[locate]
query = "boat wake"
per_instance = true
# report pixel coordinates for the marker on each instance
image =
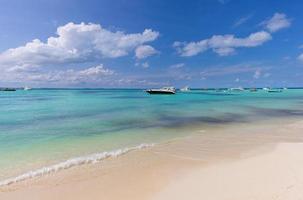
(89, 159)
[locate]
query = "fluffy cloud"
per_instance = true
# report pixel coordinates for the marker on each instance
(225, 45)
(70, 76)
(93, 72)
(277, 22)
(145, 65)
(144, 51)
(192, 48)
(76, 43)
(177, 66)
(224, 51)
(222, 44)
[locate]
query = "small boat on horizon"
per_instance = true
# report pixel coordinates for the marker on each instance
(237, 89)
(8, 89)
(164, 90)
(274, 90)
(185, 89)
(27, 88)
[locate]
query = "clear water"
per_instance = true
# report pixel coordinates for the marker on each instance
(42, 127)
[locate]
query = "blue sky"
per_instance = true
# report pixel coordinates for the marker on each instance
(140, 43)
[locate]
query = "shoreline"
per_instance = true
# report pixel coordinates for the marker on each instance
(152, 170)
(70, 163)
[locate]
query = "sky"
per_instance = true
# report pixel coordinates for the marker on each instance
(145, 44)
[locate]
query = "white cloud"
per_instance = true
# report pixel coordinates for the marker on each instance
(88, 75)
(69, 77)
(257, 74)
(229, 41)
(137, 82)
(222, 44)
(144, 51)
(145, 65)
(95, 72)
(178, 65)
(75, 43)
(242, 20)
(276, 22)
(224, 51)
(192, 48)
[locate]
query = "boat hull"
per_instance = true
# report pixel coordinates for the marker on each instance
(159, 92)
(8, 89)
(274, 91)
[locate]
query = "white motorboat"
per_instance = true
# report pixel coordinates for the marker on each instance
(27, 88)
(274, 90)
(185, 89)
(237, 89)
(164, 90)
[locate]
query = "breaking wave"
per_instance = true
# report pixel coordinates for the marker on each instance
(89, 159)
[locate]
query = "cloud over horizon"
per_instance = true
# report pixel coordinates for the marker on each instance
(77, 43)
(65, 77)
(223, 45)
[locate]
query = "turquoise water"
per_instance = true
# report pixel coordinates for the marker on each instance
(42, 127)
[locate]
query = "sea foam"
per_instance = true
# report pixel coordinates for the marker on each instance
(89, 159)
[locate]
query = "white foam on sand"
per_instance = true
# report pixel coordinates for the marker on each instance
(89, 159)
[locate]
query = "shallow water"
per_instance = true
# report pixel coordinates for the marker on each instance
(42, 127)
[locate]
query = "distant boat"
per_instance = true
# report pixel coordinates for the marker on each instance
(27, 88)
(8, 89)
(237, 89)
(185, 89)
(253, 90)
(285, 88)
(266, 88)
(164, 90)
(274, 90)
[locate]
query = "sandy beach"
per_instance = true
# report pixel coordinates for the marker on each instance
(241, 161)
(274, 175)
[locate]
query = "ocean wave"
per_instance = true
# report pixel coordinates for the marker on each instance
(89, 159)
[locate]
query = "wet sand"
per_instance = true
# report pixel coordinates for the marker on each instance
(237, 161)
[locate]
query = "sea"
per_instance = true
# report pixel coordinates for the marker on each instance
(43, 131)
